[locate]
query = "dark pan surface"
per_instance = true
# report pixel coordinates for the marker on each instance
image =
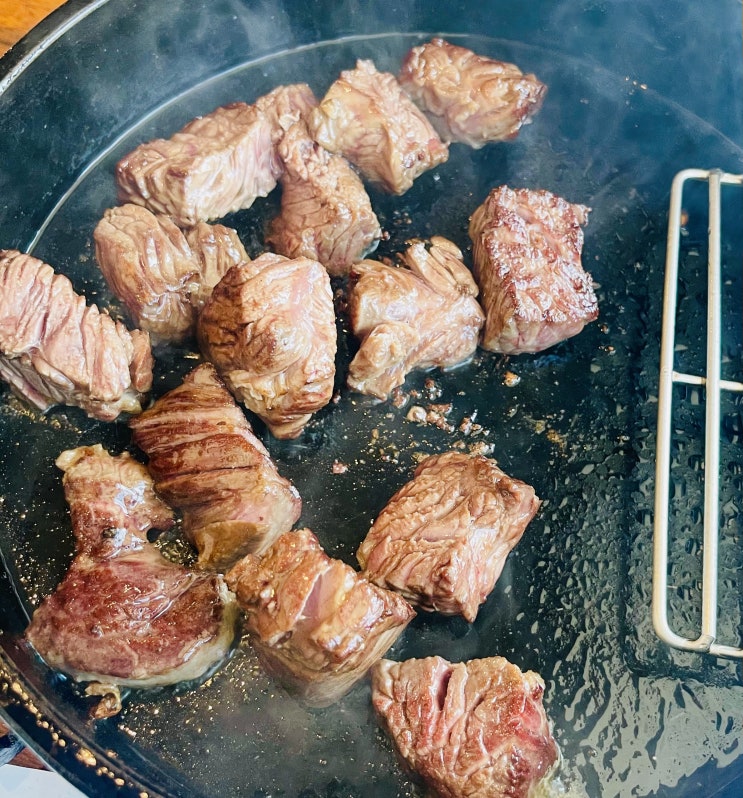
(631, 716)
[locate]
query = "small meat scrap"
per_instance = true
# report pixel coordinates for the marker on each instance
(124, 615)
(55, 349)
(476, 729)
(326, 214)
(315, 623)
(473, 99)
(422, 315)
(215, 165)
(443, 539)
(527, 256)
(368, 118)
(217, 249)
(207, 462)
(269, 328)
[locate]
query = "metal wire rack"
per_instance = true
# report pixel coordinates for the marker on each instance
(714, 386)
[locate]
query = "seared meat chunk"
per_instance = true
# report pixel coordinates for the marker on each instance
(473, 99)
(207, 462)
(161, 275)
(474, 729)
(368, 118)
(217, 249)
(124, 615)
(314, 622)
(269, 328)
(326, 214)
(56, 350)
(421, 316)
(442, 540)
(285, 106)
(216, 164)
(526, 247)
(148, 264)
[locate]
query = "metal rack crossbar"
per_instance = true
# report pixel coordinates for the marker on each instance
(713, 385)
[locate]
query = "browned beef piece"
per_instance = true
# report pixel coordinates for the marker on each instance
(207, 462)
(326, 214)
(443, 539)
(368, 118)
(56, 350)
(526, 247)
(314, 622)
(472, 99)
(217, 249)
(149, 265)
(124, 615)
(269, 328)
(420, 316)
(285, 106)
(474, 729)
(161, 275)
(216, 164)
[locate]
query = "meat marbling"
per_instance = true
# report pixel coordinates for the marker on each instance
(526, 248)
(422, 315)
(269, 328)
(315, 623)
(442, 540)
(367, 117)
(207, 462)
(124, 615)
(55, 349)
(474, 729)
(472, 99)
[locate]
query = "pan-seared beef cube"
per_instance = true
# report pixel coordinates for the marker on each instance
(442, 540)
(314, 622)
(326, 214)
(217, 249)
(474, 729)
(471, 98)
(207, 462)
(161, 275)
(421, 316)
(285, 106)
(368, 118)
(124, 615)
(269, 328)
(526, 247)
(55, 349)
(216, 164)
(149, 265)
